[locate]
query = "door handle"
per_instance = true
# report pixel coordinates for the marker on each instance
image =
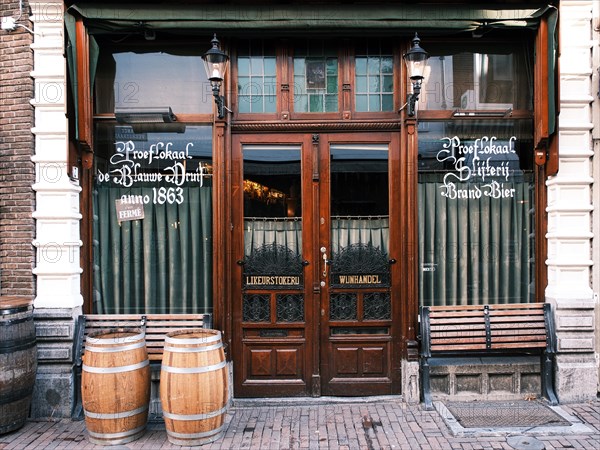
(325, 262)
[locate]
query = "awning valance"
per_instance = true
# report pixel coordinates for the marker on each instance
(290, 19)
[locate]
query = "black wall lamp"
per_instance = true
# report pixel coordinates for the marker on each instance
(215, 63)
(416, 61)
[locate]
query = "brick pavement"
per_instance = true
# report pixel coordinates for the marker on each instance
(384, 423)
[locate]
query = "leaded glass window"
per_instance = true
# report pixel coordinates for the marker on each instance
(315, 78)
(257, 78)
(377, 306)
(343, 306)
(374, 79)
(290, 308)
(256, 308)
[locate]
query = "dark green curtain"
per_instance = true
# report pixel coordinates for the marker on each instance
(475, 251)
(159, 264)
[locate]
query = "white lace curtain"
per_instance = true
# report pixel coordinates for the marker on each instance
(345, 231)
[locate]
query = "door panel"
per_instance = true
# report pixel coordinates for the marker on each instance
(357, 326)
(313, 305)
(270, 306)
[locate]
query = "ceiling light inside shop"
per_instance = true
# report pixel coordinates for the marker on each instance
(145, 115)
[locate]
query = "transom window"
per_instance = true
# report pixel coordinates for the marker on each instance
(257, 84)
(314, 75)
(374, 78)
(315, 78)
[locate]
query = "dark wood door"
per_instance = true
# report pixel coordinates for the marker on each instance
(358, 334)
(313, 305)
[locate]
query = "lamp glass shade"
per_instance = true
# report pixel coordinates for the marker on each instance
(416, 67)
(416, 60)
(215, 62)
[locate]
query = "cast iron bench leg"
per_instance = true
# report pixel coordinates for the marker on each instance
(547, 367)
(426, 384)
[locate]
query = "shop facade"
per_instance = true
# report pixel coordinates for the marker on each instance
(315, 212)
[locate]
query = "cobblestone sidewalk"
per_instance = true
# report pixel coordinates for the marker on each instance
(386, 423)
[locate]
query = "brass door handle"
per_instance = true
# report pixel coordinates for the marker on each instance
(325, 262)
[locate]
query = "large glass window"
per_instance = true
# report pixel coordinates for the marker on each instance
(476, 212)
(152, 226)
(478, 77)
(152, 192)
(138, 76)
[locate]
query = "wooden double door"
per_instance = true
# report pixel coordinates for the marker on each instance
(315, 230)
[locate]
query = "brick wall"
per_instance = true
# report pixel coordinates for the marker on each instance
(17, 175)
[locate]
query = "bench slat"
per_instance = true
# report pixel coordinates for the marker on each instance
(457, 334)
(436, 321)
(477, 313)
(459, 347)
(519, 338)
(509, 306)
(519, 345)
(495, 319)
(450, 341)
(524, 331)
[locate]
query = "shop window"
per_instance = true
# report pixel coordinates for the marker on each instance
(476, 212)
(257, 87)
(152, 185)
(315, 78)
(152, 227)
(478, 77)
(138, 76)
(374, 78)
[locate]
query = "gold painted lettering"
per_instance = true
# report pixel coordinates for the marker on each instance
(359, 279)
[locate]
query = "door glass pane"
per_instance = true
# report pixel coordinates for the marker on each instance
(272, 218)
(359, 216)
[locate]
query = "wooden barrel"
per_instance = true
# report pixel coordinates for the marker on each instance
(18, 361)
(194, 386)
(115, 386)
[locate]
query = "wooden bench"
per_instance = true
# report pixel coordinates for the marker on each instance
(155, 327)
(487, 330)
